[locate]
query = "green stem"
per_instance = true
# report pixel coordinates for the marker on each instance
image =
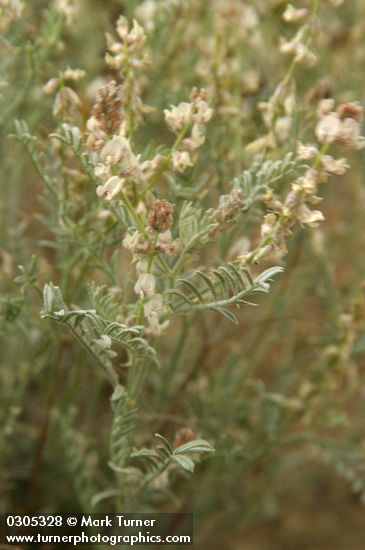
(129, 87)
(40, 172)
(168, 159)
(136, 377)
(294, 63)
(174, 271)
(112, 377)
(129, 206)
(322, 152)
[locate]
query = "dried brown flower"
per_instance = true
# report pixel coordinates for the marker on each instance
(229, 208)
(350, 110)
(160, 217)
(107, 110)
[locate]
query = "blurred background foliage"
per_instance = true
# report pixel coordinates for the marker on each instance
(276, 478)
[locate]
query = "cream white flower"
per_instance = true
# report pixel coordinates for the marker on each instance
(283, 127)
(136, 38)
(294, 15)
(309, 217)
(181, 161)
(203, 113)
(298, 47)
(142, 266)
(131, 241)
(152, 310)
(129, 164)
(145, 285)
(153, 307)
(165, 237)
(150, 167)
(325, 107)
(102, 172)
(111, 188)
(114, 150)
(74, 74)
(303, 54)
(67, 102)
(178, 117)
(51, 86)
(196, 139)
(348, 134)
(268, 224)
(122, 27)
(302, 184)
(342, 126)
(334, 166)
(327, 128)
(290, 47)
(307, 152)
(96, 134)
(92, 124)
(117, 151)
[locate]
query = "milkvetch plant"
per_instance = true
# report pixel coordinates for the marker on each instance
(177, 192)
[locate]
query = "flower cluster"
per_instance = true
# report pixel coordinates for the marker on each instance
(130, 48)
(157, 238)
(127, 56)
(298, 47)
(119, 108)
(116, 164)
(106, 117)
(278, 111)
(341, 126)
(138, 234)
(325, 164)
(297, 207)
(73, 75)
(151, 301)
(149, 242)
(180, 119)
(67, 104)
